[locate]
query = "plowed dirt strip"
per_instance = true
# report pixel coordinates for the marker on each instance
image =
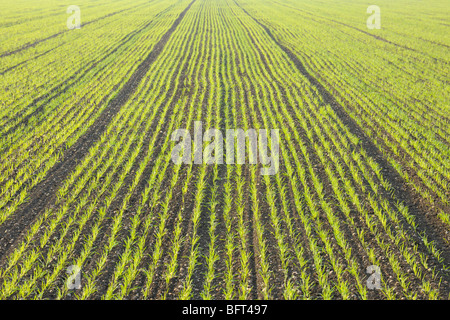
(33, 149)
(60, 121)
(407, 195)
(269, 51)
(410, 132)
(58, 90)
(177, 99)
(43, 192)
(138, 225)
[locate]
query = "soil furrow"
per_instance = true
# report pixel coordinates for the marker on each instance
(402, 190)
(44, 192)
(76, 77)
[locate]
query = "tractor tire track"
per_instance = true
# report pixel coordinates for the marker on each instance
(44, 192)
(402, 190)
(75, 78)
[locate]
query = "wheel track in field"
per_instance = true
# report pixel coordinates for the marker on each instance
(93, 64)
(374, 35)
(418, 200)
(65, 85)
(173, 96)
(402, 191)
(321, 171)
(73, 80)
(11, 230)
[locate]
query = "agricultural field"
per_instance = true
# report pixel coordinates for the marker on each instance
(354, 123)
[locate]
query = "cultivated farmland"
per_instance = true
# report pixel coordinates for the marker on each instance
(357, 208)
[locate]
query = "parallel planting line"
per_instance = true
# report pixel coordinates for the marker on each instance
(395, 179)
(77, 77)
(33, 44)
(41, 192)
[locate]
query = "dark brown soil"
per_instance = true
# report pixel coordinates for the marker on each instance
(43, 195)
(45, 192)
(431, 225)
